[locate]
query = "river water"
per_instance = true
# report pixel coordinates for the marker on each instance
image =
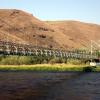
(23, 85)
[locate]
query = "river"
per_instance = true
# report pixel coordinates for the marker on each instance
(25, 85)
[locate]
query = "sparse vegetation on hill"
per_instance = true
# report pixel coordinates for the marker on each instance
(21, 27)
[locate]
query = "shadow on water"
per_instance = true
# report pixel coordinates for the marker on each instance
(45, 85)
(89, 69)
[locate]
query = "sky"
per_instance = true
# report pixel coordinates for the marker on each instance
(81, 10)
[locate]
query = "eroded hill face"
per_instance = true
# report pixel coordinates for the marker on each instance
(21, 27)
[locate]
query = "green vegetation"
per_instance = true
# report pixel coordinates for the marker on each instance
(20, 60)
(97, 53)
(89, 69)
(30, 60)
(43, 67)
(49, 67)
(97, 69)
(75, 61)
(43, 63)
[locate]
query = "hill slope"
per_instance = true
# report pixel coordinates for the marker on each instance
(21, 27)
(78, 32)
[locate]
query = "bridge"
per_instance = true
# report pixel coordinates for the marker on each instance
(11, 48)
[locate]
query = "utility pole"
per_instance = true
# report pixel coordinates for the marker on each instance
(36, 43)
(7, 47)
(94, 45)
(91, 49)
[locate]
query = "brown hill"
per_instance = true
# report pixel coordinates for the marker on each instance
(78, 32)
(21, 27)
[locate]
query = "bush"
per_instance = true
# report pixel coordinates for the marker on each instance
(9, 60)
(74, 61)
(57, 60)
(16, 60)
(40, 59)
(25, 60)
(52, 61)
(88, 69)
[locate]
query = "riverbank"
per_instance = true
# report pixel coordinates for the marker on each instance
(44, 67)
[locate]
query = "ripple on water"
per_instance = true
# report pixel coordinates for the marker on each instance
(49, 86)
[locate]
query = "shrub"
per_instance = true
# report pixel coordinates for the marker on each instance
(24, 60)
(57, 60)
(10, 60)
(36, 59)
(74, 61)
(16, 60)
(88, 69)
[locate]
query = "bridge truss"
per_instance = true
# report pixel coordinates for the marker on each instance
(10, 48)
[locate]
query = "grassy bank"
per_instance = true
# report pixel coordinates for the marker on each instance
(43, 67)
(97, 69)
(43, 63)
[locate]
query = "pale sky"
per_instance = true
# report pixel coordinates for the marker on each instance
(82, 10)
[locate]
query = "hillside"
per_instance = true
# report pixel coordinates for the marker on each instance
(78, 32)
(21, 27)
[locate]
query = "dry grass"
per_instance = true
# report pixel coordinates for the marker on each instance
(63, 35)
